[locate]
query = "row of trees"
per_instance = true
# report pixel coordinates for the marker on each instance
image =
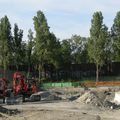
(11, 46)
(101, 47)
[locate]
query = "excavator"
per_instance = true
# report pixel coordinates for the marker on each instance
(21, 87)
(25, 87)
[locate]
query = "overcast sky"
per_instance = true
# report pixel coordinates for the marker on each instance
(65, 17)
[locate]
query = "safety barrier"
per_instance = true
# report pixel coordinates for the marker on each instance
(81, 83)
(102, 83)
(61, 84)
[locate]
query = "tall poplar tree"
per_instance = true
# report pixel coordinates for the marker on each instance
(18, 47)
(5, 42)
(29, 51)
(97, 41)
(115, 33)
(41, 39)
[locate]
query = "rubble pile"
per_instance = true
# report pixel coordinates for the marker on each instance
(92, 98)
(8, 111)
(111, 105)
(53, 97)
(49, 96)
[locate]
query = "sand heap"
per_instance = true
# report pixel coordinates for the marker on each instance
(90, 97)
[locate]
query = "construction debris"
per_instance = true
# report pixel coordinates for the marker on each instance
(8, 111)
(91, 104)
(47, 95)
(92, 98)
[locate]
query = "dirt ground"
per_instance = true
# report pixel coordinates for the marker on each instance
(65, 109)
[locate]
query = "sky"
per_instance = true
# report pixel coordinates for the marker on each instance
(65, 17)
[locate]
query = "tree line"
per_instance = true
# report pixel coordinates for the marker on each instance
(43, 47)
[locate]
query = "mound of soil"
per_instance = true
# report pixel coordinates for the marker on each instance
(93, 98)
(90, 97)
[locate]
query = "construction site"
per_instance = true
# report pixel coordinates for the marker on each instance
(63, 103)
(59, 60)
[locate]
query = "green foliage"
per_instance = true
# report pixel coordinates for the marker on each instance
(79, 49)
(46, 45)
(115, 33)
(44, 48)
(5, 42)
(97, 41)
(41, 40)
(42, 33)
(66, 52)
(54, 53)
(30, 45)
(18, 47)
(29, 50)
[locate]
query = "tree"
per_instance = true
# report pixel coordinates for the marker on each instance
(66, 51)
(115, 35)
(54, 58)
(41, 40)
(29, 49)
(54, 47)
(18, 47)
(5, 42)
(97, 41)
(79, 50)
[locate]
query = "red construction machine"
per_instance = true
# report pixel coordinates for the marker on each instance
(25, 87)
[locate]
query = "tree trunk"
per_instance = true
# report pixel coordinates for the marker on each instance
(28, 73)
(29, 67)
(97, 72)
(57, 75)
(4, 73)
(39, 69)
(4, 69)
(51, 74)
(17, 68)
(45, 71)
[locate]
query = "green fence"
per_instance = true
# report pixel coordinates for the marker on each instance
(79, 83)
(61, 84)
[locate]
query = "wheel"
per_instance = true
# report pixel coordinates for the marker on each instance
(23, 98)
(4, 100)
